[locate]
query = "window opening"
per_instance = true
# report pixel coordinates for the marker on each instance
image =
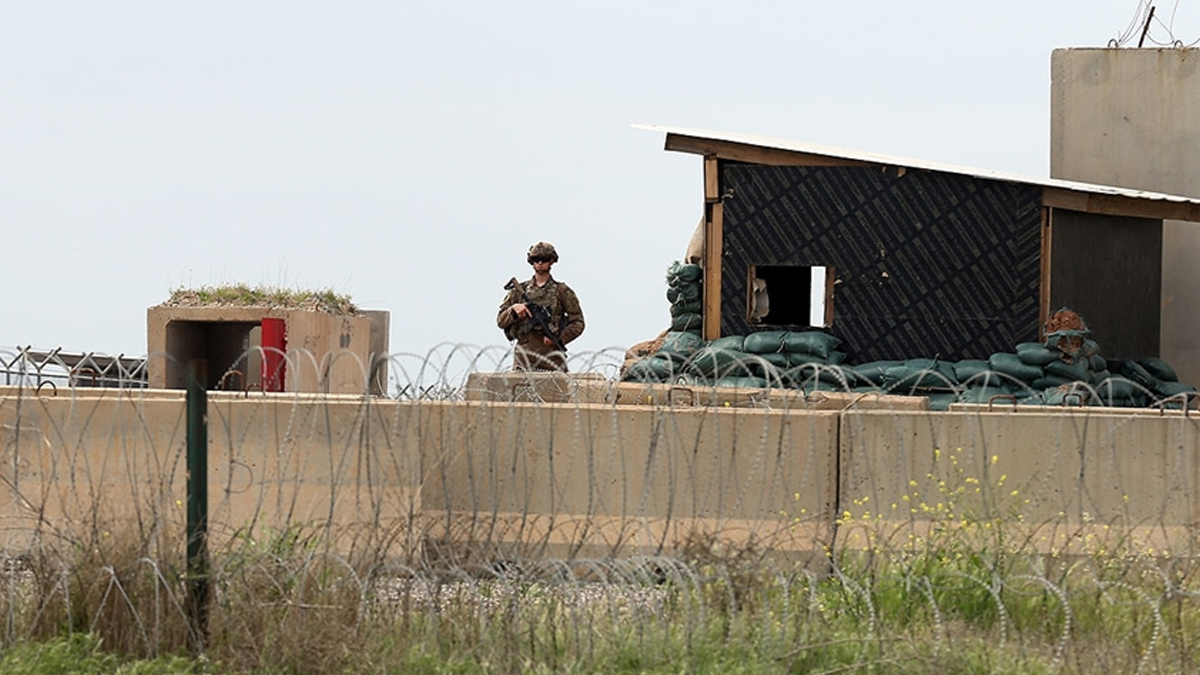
(790, 295)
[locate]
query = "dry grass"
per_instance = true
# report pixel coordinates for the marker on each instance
(241, 295)
(280, 604)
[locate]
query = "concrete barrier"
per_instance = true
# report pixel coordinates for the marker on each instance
(597, 480)
(479, 479)
(75, 466)
(1053, 476)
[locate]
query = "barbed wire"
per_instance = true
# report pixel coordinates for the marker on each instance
(1147, 25)
(605, 508)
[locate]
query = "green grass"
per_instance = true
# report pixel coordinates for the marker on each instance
(271, 617)
(81, 654)
(957, 599)
(242, 295)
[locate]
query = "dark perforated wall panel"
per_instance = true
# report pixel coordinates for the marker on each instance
(928, 264)
(1109, 270)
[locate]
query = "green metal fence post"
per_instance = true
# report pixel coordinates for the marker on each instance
(197, 504)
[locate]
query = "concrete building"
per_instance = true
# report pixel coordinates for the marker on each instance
(1131, 117)
(319, 352)
(922, 259)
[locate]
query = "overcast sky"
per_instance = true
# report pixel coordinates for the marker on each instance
(409, 153)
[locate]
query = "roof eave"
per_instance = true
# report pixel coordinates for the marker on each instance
(1056, 193)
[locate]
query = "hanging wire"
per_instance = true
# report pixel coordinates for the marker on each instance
(1144, 15)
(1139, 18)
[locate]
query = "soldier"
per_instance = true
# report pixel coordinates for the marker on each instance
(535, 350)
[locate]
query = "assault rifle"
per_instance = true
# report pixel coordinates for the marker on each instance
(539, 315)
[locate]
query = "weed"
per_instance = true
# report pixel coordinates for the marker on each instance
(241, 295)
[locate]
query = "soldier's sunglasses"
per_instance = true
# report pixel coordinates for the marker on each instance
(539, 260)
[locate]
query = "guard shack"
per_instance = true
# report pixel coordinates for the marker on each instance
(914, 258)
(268, 349)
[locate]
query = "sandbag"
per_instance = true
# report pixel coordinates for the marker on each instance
(1159, 369)
(679, 345)
(1168, 389)
(1097, 363)
(684, 273)
(765, 342)
(1130, 402)
(1073, 371)
(875, 371)
(838, 379)
(986, 378)
(730, 342)
(685, 293)
(686, 308)
(774, 375)
(993, 395)
(810, 342)
(920, 374)
(767, 366)
(1012, 366)
(942, 401)
(649, 369)
(780, 361)
(1132, 370)
(746, 382)
(713, 363)
(687, 322)
(1051, 381)
(1066, 396)
(1031, 398)
(967, 369)
(1036, 354)
(1118, 388)
(820, 385)
(845, 378)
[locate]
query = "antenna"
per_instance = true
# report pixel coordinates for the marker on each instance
(1146, 27)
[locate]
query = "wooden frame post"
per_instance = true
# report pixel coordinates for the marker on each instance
(1047, 251)
(713, 247)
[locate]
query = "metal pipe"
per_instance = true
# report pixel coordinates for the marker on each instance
(197, 503)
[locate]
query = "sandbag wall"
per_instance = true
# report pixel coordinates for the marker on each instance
(1067, 369)
(687, 300)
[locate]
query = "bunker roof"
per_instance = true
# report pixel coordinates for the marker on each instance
(1072, 195)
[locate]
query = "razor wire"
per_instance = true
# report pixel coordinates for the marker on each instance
(631, 508)
(30, 367)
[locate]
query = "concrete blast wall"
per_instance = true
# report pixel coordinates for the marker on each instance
(451, 479)
(1131, 118)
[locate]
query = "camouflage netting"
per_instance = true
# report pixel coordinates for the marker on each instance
(1066, 369)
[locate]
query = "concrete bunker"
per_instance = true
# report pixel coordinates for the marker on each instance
(268, 349)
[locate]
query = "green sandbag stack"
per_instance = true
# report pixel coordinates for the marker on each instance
(932, 378)
(1065, 369)
(684, 292)
(1054, 373)
(806, 360)
(667, 364)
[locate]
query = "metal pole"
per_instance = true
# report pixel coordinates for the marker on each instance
(1146, 28)
(197, 503)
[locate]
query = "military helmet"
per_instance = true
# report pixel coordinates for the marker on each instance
(542, 249)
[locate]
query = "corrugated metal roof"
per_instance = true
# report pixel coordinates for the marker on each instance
(889, 160)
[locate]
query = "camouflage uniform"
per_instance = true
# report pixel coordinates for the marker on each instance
(566, 318)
